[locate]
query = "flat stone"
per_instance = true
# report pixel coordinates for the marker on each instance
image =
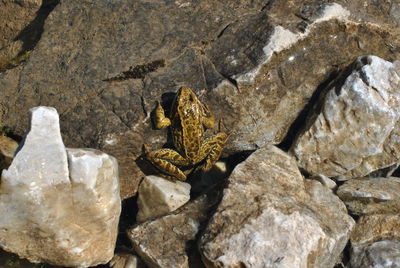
(60, 206)
(163, 242)
(371, 195)
(270, 216)
(375, 241)
(158, 196)
(364, 103)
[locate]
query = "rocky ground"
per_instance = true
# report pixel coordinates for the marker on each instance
(308, 91)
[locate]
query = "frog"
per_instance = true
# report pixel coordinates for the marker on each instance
(188, 121)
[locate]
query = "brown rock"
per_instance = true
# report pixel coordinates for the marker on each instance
(163, 242)
(371, 195)
(259, 65)
(8, 147)
(270, 217)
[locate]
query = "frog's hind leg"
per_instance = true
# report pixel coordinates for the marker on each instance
(165, 160)
(211, 150)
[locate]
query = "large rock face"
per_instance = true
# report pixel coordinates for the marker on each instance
(256, 64)
(356, 130)
(59, 206)
(270, 217)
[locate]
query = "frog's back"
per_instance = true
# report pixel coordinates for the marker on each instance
(186, 123)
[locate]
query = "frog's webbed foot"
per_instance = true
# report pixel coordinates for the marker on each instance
(165, 160)
(211, 150)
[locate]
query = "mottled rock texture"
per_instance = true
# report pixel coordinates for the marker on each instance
(158, 196)
(371, 195)
(8, 147)
(356, 130)
(255, 63)
(270, 216)
(164, 242)
(375, 241)
(58, 205)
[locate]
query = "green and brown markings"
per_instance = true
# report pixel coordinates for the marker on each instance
(188, 120)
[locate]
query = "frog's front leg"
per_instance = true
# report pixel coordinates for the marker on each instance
(161, 121)
(211, 150)
(165, 160)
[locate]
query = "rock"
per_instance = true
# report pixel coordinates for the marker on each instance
(371, 195)
(375, 241)
(8, 147)
(260, 64)
(324, 180)
(381, 254)
(125, 260)
(163, 242)
(59, 206)
(158, 196)
(270, 216)
(16, 15)
(364, 103)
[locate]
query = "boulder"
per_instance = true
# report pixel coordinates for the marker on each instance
(270, 216)
(166, 241)
(59, 206)
(158, 196)
(257, 65)
(355, 130)
(371, 195)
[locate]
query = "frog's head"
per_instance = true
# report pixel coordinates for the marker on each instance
(185, 96)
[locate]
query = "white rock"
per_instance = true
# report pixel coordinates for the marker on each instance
(357, 129)
(270, 216)
(58, 207)
(158, 196)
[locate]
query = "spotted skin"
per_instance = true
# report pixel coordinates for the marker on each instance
(188, 120)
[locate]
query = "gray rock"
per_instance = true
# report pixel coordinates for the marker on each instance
(375, 241)
(163, 242)
(371, 195)
(158, 196)
(270, 216)
(259, 63)
(355, 131)
(59, 206)
(380, 254)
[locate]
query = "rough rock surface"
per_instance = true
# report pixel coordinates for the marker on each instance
(18, 17)
(371, 195)
(163, 242)
(355, 131)
(375, 241)
(59, 206)
(380, 254)
(259, 63)
(270, 216)
(158, 196)
(125, 260)
(8, 147)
